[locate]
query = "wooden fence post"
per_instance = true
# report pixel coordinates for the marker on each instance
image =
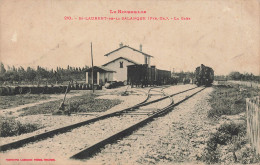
(253, 122)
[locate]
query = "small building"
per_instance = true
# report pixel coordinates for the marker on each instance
(115, 69)
(101, 74)
(119, 59)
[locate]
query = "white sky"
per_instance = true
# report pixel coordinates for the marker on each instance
(223, 34)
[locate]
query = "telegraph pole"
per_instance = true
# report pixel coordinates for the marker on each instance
(92, 68)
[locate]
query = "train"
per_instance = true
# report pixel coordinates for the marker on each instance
(143, 75)
(204, 75)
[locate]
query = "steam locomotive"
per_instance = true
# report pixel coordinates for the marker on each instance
(204, 75)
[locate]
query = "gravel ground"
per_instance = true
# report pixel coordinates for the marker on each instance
(178, 137)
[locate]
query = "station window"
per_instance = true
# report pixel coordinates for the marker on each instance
(121, 64)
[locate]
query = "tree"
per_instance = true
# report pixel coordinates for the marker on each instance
(235, 76)
(2, 68)
(21, 73)
(30, 74)
(14, 69)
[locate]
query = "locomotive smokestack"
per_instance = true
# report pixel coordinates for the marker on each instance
(141, 47)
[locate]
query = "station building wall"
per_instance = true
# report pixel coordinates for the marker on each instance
(120, 71)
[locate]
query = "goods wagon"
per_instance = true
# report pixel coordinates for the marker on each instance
(142, 75)
(163, 77)
(204, 75)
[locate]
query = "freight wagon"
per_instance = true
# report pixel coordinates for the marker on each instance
(142, 75)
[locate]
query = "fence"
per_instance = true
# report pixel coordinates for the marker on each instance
(246, 83)
(253, 122)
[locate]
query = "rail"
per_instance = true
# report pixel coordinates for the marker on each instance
(92, 150)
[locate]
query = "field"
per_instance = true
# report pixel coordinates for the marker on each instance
(229, 143)
(84, 103)
(16, 100)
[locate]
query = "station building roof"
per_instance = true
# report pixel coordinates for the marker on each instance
(99, 69)
(126, 46)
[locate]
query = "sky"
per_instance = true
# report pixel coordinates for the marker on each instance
(222, 34)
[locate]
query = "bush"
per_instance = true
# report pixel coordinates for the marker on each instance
(11, 127)
(225, 133)
(233, 136)
(74, 106)
(217, 112)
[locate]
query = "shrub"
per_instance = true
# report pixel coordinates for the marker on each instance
(225, 133)
(74, 106)
(11, 127)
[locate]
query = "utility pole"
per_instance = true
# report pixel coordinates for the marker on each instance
(92, 69)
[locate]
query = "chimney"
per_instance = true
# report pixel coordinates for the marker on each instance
(141, 46)
(121, 45)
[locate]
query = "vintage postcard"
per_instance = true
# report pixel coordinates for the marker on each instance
(129, 82)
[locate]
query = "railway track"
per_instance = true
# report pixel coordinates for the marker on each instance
(49, 134)
(150, 113)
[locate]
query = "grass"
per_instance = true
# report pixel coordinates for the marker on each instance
(229, 144)
(11, 127)
(84, 103)
(91, 104)
(16, 100)
(229, 100)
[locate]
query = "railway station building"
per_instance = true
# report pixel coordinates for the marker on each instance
(115, 69)
(100, 73)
